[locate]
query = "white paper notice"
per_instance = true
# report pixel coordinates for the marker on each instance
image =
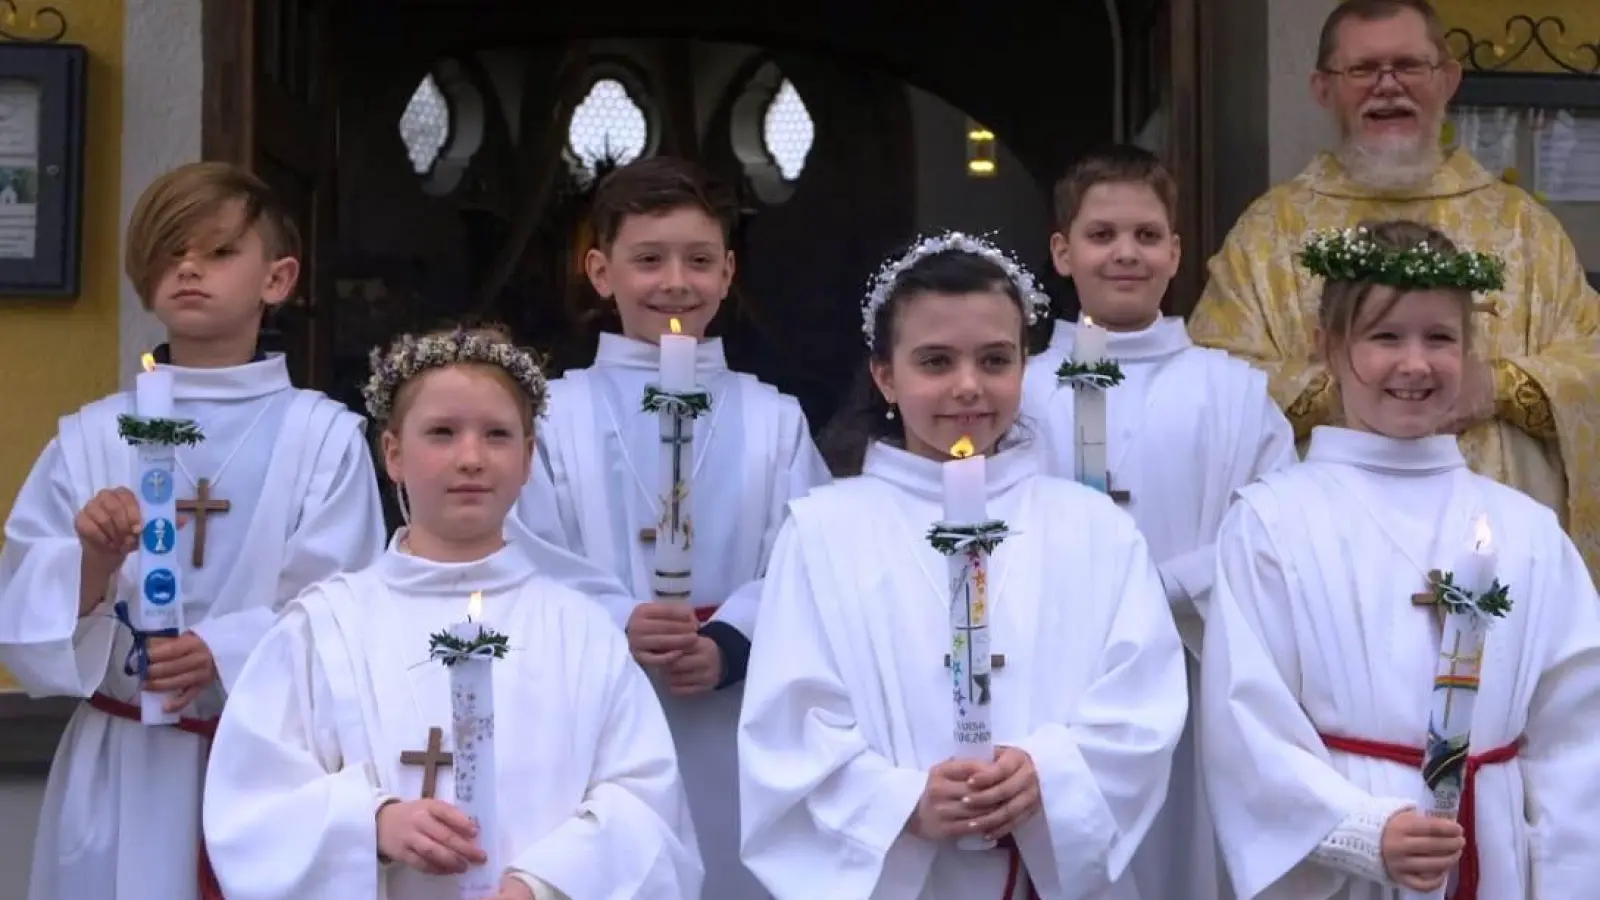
(1568, 168)
(1489, 133)
(19, 168)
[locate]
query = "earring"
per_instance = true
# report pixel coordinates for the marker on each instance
(889, 413)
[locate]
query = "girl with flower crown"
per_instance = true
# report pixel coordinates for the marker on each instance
(851, 778)
(309, 795)
(1331, 660)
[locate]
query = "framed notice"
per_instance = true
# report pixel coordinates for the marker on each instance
(41, 168)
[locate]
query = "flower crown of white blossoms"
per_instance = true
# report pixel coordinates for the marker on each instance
(410, 356)
(1035, 303)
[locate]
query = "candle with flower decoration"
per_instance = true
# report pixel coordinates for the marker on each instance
(1471, 597)
(470, 653)
(1089, 409)
(676, 400)
(966, 536)
(159, 611)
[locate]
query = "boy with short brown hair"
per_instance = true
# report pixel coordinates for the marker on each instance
(1179, 429)
(279, 494)
(662, 228)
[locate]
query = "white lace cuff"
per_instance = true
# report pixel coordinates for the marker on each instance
(1355, 846)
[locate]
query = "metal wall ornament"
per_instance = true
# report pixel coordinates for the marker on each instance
(1544, 36)
(46, 25)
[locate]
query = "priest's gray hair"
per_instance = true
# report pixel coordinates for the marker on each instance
(410, 356)
(1035, 303)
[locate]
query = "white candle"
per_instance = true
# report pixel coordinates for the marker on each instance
(1089, 344)
(1089, 410)
(1475, 571)
(964, 485)
(473, 761)
(152, 391)
(677, 360)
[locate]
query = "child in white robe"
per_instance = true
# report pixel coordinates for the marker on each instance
(308, 795)
(1186, 427)
(209, 251)
(850, 779)
(662, 228)
(1324, 635)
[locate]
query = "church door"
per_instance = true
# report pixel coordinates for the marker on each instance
(270, 105)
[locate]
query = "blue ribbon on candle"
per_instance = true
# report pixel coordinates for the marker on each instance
(138, 661)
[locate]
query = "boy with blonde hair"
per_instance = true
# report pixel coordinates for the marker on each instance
(279, 494)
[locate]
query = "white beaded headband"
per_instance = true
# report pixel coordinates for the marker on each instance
(1035, 303)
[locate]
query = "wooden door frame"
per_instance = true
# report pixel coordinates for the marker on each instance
(1190, 126)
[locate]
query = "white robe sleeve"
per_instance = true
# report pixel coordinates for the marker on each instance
(283, 815)
(43, 642)
(821, 814)
(1560, 761)
(632, 835)
(340, 529)
(1290, 825)
(1103, 774)
(805, 471)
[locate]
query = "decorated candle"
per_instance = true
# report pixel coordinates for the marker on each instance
(1089, 410)
(1471, 598)
(473, 763)
(965, 512)
(677, 359)
(160, 607)
(674, 403)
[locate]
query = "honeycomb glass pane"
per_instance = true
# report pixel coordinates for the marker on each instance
(607, 125)
(787, 131)
(425, 125)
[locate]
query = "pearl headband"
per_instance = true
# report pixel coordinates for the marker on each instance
(1036, 303)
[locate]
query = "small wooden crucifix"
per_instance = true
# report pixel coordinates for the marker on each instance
(1427, 598)
(431, 760)
(996, 660)
(202, 507)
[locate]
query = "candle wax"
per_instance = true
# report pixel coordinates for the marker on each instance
(153, 394)
(964, 490)
(1089, 344)
(677, 362)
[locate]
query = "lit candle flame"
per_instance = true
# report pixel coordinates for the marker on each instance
(673, 324)
(149, 361)
(963, 448)
(475, 607)
(1482, 536)
(1088, 321)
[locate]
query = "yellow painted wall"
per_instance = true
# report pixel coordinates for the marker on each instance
(1491, 20)
(56, 355)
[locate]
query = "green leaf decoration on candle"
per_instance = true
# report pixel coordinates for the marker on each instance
(983, 537)
(1495, 602)
(689, 404)
(449, 649)
(140, 431)
(1098, 375)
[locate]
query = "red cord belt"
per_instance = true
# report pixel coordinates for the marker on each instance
(205, 729)
(1467, 884)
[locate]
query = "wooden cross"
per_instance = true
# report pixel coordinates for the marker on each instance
(201, 508)
(1427, 598)
(431, 760)
(996, 660)
(647, 535)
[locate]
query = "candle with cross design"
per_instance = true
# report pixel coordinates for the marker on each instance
(153, 431)
(677, 401)
(967, 536)
(1090, 374)
(1470, 597)
(469, 649)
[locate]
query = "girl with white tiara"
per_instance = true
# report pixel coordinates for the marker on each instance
(687, 556)
(314, 790)
(1401, 668)
(853, 781)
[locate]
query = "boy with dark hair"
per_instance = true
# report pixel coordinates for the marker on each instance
(662, 229)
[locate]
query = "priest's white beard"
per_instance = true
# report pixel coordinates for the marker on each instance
(1391, 162)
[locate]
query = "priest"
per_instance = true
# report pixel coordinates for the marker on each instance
(1529, 415)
